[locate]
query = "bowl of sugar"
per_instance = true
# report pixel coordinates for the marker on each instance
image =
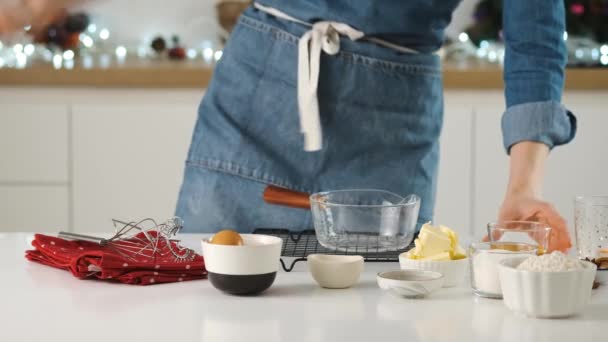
(484, 258)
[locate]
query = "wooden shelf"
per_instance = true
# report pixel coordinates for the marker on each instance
(186, 74)
(165, 74)
(491, 78)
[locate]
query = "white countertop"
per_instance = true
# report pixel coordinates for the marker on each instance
(42, 303)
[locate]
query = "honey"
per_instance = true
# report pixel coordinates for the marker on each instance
(518, 247)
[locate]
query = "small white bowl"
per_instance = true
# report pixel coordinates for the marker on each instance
(545, 294)
(454, 271)
(410, 283)
(602, 277)
(245, 269)
(335, 271)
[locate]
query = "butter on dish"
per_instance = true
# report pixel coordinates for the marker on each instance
(436, 243)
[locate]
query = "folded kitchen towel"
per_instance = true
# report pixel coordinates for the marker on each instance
(90, 260)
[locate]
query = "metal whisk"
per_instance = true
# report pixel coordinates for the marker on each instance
(133, 239)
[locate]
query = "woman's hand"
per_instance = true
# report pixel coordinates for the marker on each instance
(16, 14)
(522, 200)
(525, 207)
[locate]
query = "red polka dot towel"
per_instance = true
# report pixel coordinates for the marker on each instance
(90, 260)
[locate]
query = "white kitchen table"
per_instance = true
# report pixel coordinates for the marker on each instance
(40, 303)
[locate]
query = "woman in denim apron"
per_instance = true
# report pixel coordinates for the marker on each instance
(325, 95)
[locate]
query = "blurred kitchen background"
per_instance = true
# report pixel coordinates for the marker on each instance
(97, 111)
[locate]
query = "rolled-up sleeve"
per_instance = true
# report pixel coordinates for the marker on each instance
(535, 58)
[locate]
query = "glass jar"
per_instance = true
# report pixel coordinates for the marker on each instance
(591, 226)
(484, 258)
(511, 234)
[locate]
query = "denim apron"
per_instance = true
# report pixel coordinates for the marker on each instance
(372, 120)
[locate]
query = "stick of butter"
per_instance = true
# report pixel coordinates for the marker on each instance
(436, 243)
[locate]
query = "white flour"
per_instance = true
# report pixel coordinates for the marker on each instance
(554, 262)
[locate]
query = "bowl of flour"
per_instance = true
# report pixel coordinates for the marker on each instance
(547, 286)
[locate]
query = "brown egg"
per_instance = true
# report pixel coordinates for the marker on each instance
(227, 237)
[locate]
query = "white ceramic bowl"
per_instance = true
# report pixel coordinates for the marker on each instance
(246, 269)
(454, 271)
(602, 277)
(410, 283)
(545, 294)
(335, 271)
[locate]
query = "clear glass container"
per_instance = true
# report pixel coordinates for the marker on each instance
(364, 221)
(484, 258)
(591, 226)
(503, 233)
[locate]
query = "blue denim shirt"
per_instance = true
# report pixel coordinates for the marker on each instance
(535, 54)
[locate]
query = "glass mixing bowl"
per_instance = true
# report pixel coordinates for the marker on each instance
(364, 221)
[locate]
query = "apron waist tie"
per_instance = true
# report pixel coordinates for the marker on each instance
(323, 36)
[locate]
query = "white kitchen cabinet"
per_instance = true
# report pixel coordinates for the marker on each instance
(76, 158)
(577, 168)
(128, 161)
(33, 208)
(453, 200)
(34, 180)
(491, 164)
(33, 144)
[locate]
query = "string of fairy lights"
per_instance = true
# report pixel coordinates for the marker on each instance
(582, 51)
(95, 49)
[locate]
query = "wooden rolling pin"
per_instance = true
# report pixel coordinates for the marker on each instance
(285, 197)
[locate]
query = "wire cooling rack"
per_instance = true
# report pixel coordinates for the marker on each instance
(298, 245)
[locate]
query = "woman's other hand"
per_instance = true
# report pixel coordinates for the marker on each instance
(16, 14)
(523, 199)
(526, 207)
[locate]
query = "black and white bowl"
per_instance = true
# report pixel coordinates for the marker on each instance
(247, 269)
